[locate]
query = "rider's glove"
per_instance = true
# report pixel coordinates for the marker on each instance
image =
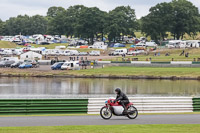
(115, 101)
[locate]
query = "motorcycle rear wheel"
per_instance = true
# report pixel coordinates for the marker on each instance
(105, 113)
(133, 109)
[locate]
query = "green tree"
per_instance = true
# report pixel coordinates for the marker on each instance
(56, 20)
(16, 25)
(121, 21)
(186, 18)
(178, 17)
(91, 21)
(2, 27)
(38, 25)
(158, 22)
(54, 11)
(71, 19)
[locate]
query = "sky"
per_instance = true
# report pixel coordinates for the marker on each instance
(12, 8)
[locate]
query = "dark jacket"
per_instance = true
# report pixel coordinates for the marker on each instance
(121, 96)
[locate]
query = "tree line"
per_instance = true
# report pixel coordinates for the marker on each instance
(175, 18)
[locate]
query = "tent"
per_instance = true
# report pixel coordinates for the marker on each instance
(30, 56)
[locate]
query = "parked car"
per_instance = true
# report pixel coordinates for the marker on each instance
(57, 66)
(6, 63)
(2, 64)
(44, 43)
(25, 65)
(15, 65)
(83, 53)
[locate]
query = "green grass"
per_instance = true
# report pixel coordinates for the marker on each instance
(195, 128)
(139, 71)
(174, 53)
(6, 44)
(115, 71)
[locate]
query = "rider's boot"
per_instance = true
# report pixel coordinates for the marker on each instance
(125, 110)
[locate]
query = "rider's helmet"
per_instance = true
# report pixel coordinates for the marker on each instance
(117, 90)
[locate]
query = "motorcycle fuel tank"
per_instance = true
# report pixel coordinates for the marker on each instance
(118, 110)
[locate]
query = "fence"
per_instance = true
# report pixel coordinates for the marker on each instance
(196, 104)
(93, 105)
(43, 106)
(149, 104)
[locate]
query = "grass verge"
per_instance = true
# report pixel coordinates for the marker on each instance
(106, 129)
(110, 71)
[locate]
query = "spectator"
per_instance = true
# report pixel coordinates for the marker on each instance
(182, 53)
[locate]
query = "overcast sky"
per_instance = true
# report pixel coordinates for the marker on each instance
(12, 8)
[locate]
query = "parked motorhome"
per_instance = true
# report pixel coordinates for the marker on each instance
(18, 51)
(151, 44)
(74, 52)
(6, 52)
(176, 44)
(60, 47)
(99, 45)
(136, 52)
(94, 53)
(141, 44)
(120, 51)
(10, 58)
(193, 43)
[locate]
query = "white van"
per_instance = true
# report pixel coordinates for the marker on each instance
(70, 65)
(120, 51)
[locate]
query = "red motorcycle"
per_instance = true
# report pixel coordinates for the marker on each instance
(116, 109)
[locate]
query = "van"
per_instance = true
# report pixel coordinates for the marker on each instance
(70, 65)
(120, 51)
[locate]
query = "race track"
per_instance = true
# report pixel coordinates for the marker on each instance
(97, 120)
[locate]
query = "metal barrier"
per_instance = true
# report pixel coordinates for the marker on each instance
(42, 106)
(149, 104)
(196, 104)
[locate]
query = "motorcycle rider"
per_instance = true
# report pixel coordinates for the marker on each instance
(122, 98)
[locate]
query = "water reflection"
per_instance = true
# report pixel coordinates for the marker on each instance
(71, 87)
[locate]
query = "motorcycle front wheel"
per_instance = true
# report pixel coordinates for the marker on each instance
(132, 112)
(105, 113)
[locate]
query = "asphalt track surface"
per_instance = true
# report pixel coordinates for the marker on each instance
(97, 120)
